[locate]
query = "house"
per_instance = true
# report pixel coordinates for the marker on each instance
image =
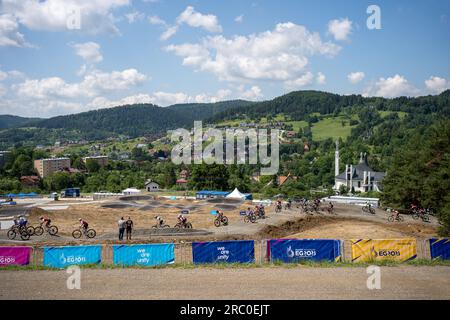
(29, 181)
(184, 174)
(131, 191)
(151, 186)
(283, 179)
(360, 177)
(182, 183)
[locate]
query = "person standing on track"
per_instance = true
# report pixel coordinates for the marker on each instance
(121, 225)
(129, 227)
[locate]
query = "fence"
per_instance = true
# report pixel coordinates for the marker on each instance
(184, 253)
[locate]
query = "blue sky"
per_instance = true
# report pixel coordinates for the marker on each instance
(67, 57)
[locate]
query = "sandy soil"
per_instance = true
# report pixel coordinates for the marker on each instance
(403, 282)
(347, 223)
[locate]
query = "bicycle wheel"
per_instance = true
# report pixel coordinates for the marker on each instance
(53, 230)
(426, 218)
(391, 219)
(25, 235)
(252, 219)
(91, 233)
(11, 234)
(246, 219)
(76, 234)
(401, 219)
(38, 231)
(30, 230)
(217, 223)
(225, 220)
(189, 225)
(415, 216)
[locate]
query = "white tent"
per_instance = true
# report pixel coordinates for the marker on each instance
(236, 194)
(131, 191)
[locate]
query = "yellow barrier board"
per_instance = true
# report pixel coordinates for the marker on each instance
(386, 249)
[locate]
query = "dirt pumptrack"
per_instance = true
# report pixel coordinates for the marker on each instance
(268, 283)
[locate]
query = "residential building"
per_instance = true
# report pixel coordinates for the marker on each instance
(101, 160)
(29, 181)
(46, 167)
(151, 186)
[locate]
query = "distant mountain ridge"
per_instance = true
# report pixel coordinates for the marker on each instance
(10, 121)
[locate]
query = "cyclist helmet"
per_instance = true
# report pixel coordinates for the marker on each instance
(80, 219)
(41, 217)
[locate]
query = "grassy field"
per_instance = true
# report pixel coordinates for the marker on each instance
(384, 114)
(331, 128)
(276, 264)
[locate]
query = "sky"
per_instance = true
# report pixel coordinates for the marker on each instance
(63, 57)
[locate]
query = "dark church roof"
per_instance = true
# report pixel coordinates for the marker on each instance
(358, 172)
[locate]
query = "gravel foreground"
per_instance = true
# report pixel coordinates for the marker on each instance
(403, 282)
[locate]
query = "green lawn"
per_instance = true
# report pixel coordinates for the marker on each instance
(331, 128)
(384, 114)
(296, 125)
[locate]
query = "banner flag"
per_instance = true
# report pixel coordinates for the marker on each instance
(62, 257)
(18, 256)
(224, 252)
(293, 250)
(384, 249)
(144, 254)
(440, 248)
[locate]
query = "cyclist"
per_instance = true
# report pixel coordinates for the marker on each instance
(279, 204)
(23, 222)
(219, 215)
(396, 214)
(289, 204)
(159, 221)
(182, 219)
(330, 207)
(45, 221)
(83, 225)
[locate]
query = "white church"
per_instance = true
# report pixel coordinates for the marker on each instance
(358, 177)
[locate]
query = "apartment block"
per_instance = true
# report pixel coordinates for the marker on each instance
(46, 167)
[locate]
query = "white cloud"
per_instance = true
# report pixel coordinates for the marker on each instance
(239, 19)
(3, 90)
(3, 75)
(437, 84)
(304, 80)
(134, 16)
(356, 77)
(170, 31)
(155, 20)
(94, 83)
(96, 16)
(254, 93)
(340, 29)
(9, 34)
(195, 19)
(89, 51)
(279, 55)
(321, 78)
(190, 17)
(392, 87)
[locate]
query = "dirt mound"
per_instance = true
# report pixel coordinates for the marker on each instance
(342, 228)
(226, 207)
(136, 198)
(117, 205)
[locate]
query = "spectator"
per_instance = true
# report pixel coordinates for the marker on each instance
(129, 226)
(121, 225)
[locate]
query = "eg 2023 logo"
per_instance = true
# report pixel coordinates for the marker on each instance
(384, 253)
(301, 253)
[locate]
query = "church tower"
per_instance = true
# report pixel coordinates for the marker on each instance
(336, 159)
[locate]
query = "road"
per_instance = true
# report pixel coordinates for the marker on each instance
(403, 282)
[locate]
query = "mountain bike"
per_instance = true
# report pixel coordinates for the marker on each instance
(90, 233)
(218, 222)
